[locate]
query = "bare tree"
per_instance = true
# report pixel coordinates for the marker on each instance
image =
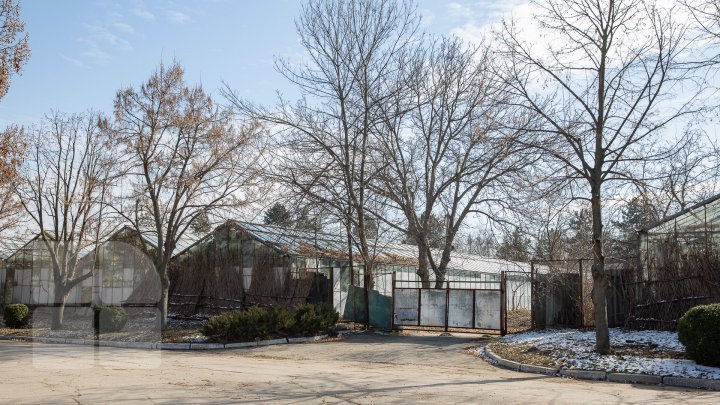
(688, 176)
(445, 153)
(327, 153)
(707, 14)
(14, 49)
(186, 159)
(65, 189)
(608, 82)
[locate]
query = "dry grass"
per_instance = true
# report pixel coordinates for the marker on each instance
(518, 320)
(523, 354)
(529, 354)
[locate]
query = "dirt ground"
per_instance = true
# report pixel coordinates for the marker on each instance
(366, 368)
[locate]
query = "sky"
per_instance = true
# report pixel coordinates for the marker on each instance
(82, 52)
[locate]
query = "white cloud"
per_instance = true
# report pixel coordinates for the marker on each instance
(178, 17)
(96, 55)
(73, 61)
(100, 36)
(142, 12)
(427, 17)
(459, 10)
(127, 28)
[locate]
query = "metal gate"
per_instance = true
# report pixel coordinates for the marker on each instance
(479, 305)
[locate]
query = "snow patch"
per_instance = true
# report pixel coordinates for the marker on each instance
(573, 349)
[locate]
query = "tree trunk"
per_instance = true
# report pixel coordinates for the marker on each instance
(164, 297)
(8, 287)
(439, 280)
(599, 290)
(59, 312)
(423, 267)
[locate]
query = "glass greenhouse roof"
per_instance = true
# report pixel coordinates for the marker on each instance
(700, 217)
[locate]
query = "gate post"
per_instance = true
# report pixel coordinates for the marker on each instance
(392, 304)
(532, 294)
(582, 296)
(447, 304)
(503, 306)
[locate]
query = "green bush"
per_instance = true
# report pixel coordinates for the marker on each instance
(279, 320)
(312, 319)
(239, 325)
(263, 323)
(16, 315)
(109, 318)
(699, 331)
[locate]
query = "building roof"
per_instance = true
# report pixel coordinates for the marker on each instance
(706, 211)
(326, 245)
(463, 262)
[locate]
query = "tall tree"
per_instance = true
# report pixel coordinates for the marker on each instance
(185, 158)
(278, 215)
(446, 153)
(14, 49)
(14, 53)
(327, 153)
(515, 246)
(13, 149)
(607, 83)
(65, 190)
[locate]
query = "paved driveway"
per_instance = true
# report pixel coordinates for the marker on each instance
(361, 369)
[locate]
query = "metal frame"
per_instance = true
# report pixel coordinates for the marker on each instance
(503, 305)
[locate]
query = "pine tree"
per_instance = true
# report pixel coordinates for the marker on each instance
(278, 215)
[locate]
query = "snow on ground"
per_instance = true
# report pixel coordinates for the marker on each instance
(573, 349)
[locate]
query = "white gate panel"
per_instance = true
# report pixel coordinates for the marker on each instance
(487, 309)
(406, 307)
(460, 312)
(432, 307)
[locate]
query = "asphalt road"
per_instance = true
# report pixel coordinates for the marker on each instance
(360, 369)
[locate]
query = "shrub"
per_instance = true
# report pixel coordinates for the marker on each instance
(312, 319)
(16, 315)
(279, 320)
(109, 318)
(250, 324)
(262, 323)
(699, 331)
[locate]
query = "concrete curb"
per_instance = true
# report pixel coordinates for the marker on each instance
(164, 345)
(584, 374)
(629, 378)
(595, 375)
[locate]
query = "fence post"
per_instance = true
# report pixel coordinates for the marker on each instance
(532, 294)
(392, 304)
(582, 295)
(503, 305)
(447, 304)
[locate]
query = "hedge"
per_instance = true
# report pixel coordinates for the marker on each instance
(263, 323)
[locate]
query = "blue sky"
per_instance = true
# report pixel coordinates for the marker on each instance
(83, 52)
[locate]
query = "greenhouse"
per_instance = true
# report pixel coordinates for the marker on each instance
(692, 228)
(679, 261)
(241, 264)
(27, 277)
